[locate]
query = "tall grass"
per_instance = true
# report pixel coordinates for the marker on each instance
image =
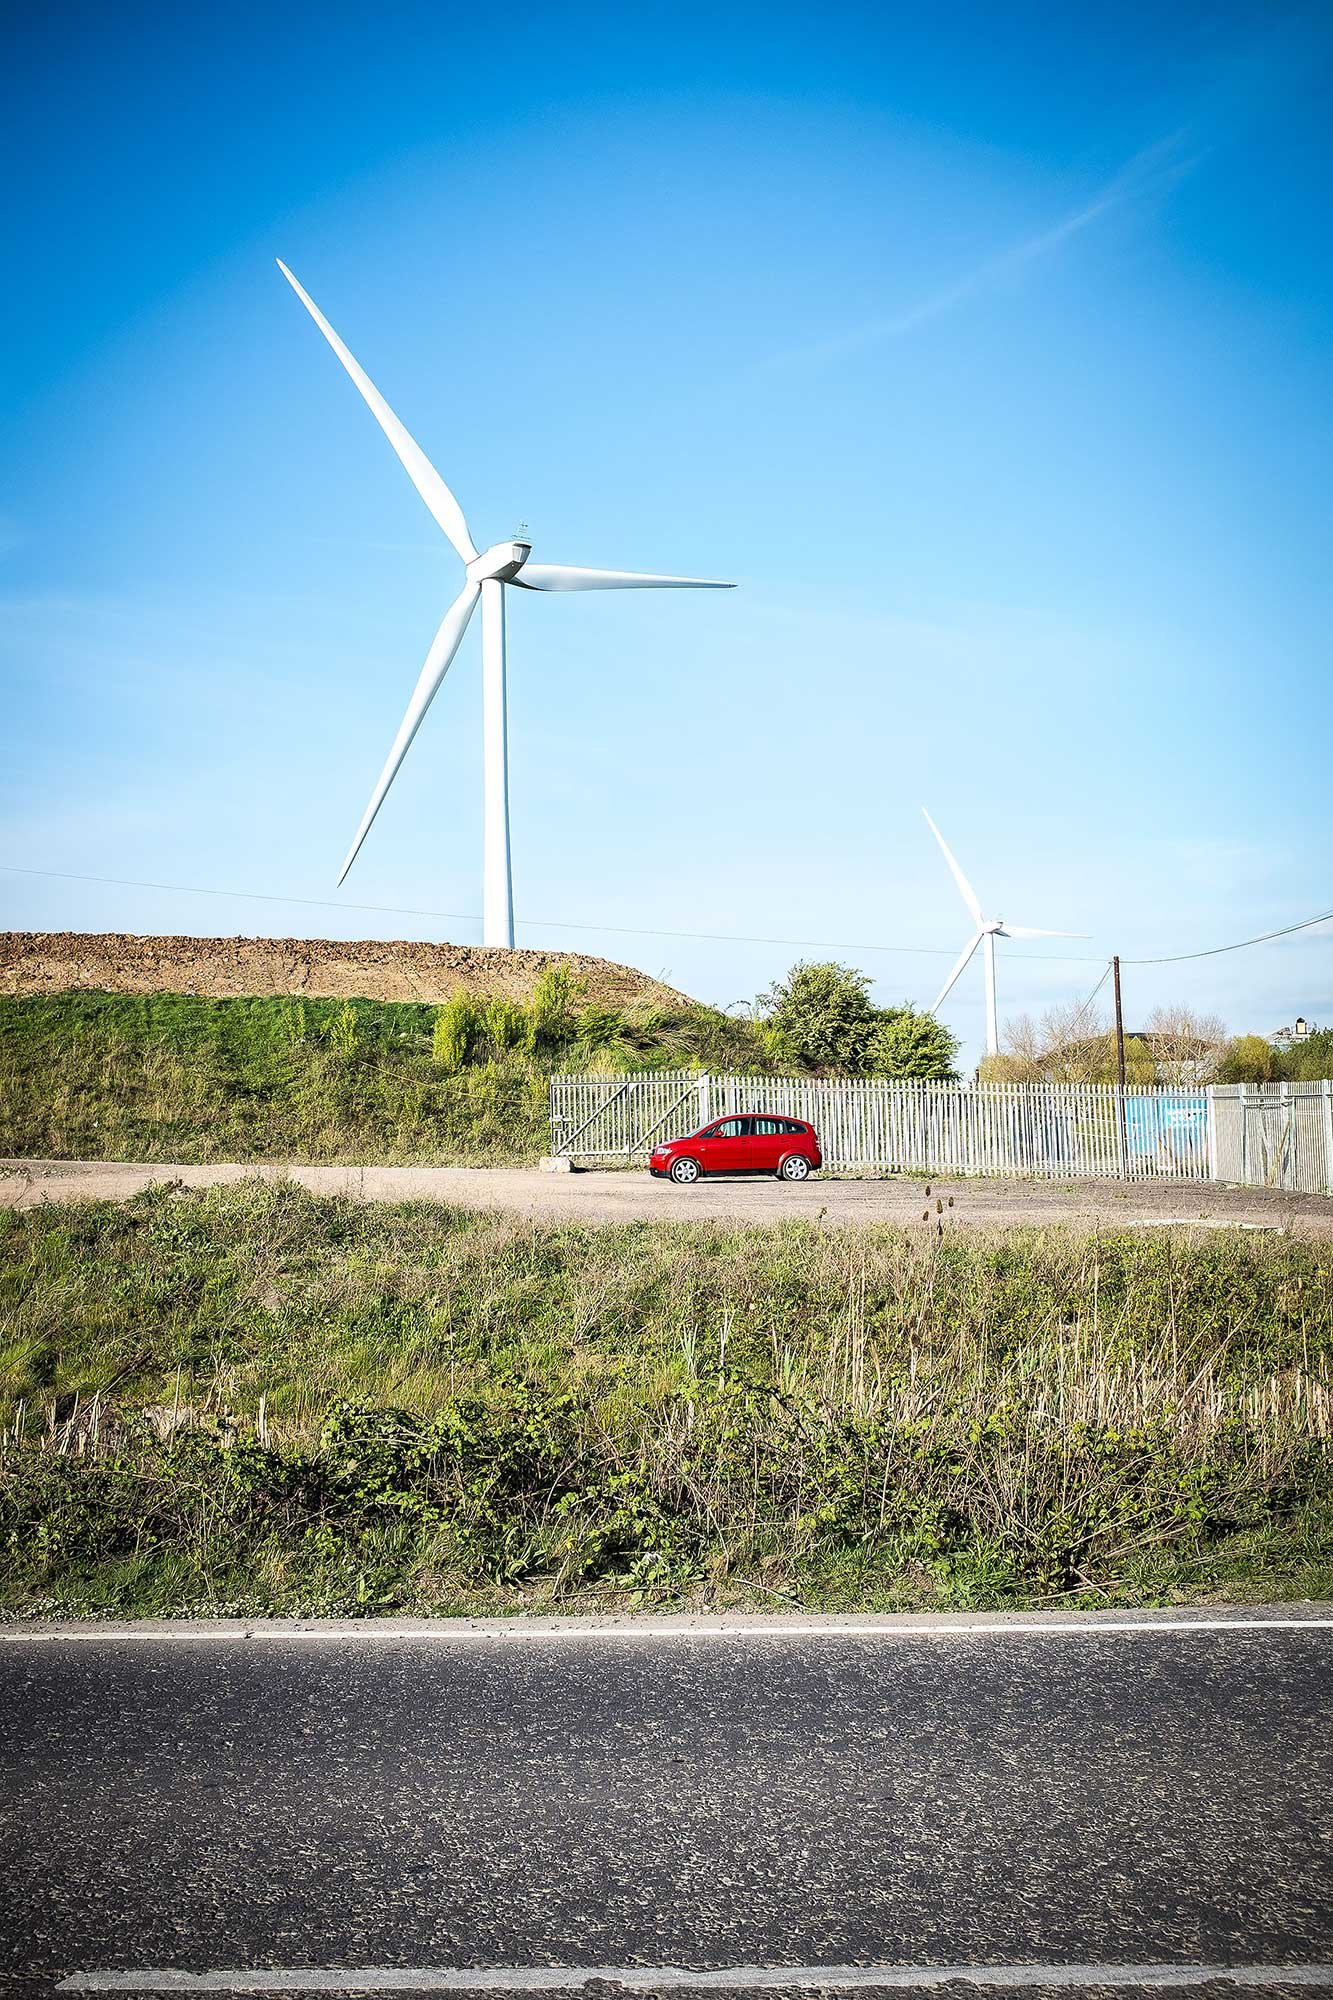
(261, 1398)
(180, 1077)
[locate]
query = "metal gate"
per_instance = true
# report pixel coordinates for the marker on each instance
(623, 1118)
(1277, 1135)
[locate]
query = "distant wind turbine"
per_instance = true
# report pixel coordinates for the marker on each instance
(987, 930)
(486, 576)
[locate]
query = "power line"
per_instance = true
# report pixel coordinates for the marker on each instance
(1216, 950)
(1106, 973)
(542, 923)
(236, 895)
(628, 930)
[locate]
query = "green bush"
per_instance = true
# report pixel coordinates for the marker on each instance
(908, 1044)
(1309, 1061)
(509, 1028)
(555, 1002)
(820, 1017)
(457, 1031)
(1248, 1059)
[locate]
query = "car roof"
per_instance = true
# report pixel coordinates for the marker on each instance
(790, 1116)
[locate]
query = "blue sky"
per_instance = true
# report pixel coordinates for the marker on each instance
(991, 356)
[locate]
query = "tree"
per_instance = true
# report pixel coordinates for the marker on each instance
(1185, 1046)
(1140, 1062)
(1006, 1067)
(1020, 1057)
(1308, 1061)
(821, 1017)
(906, 1043)
(1248, 1059)
(1069, 1044)
(1076, 1044)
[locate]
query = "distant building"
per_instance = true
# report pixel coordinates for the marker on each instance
(1292, 1037)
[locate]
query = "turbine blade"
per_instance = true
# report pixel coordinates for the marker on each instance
(959, 966)
(559, 576)
(1024, 930)
(438, 661)
(417, 466)
(968, 893)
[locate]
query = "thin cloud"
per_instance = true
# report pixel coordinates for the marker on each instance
(1150, 172)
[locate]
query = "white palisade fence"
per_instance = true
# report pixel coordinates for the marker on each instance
(1274, 1134)
(1057, 1131)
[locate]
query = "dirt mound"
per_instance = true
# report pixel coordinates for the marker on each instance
(236, 967)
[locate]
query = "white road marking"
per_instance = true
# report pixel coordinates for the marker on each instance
(672, 1978)
(447, 1632)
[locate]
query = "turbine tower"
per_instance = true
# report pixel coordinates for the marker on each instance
(485, 578)
(987, 930)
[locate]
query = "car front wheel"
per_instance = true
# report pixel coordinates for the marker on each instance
(794, 1168)
(684, 1172)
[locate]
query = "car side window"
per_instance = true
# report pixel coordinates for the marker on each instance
(730, 1128)
(790, 1125)
(766, 1127)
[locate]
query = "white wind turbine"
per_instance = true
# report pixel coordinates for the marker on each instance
(486, 575)
(987, 930)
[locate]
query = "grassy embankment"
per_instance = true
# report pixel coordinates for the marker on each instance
(256, 1399)
(176, 1077)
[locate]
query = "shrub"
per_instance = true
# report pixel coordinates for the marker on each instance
(457, 1030)
(821, 1017)
(1248, 1059)
(555, 1001)
(1311, 1060)
(908, 1044)
(343, 1031)
(508, 1027)
(603, 1042)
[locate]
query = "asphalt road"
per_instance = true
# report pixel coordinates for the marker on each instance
(636, 1196)
(984, 1798)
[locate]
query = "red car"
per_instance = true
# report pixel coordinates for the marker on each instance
(755, 1144)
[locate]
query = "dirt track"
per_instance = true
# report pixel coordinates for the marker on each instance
(631, 1197)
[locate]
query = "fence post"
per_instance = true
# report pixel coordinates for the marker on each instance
(1211, 1131)
(705, 1097)
(1328, 1135)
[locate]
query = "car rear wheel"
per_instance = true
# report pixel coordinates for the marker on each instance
(794, 1168)
(684, 1172)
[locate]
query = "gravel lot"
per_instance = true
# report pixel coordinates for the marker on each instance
(634, 1196)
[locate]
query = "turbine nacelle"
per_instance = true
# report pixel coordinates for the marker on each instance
(499, 564)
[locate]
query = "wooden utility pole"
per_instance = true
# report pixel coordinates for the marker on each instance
(1120, 1067)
